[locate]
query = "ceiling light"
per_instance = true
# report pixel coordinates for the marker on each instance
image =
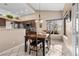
(26, 10)
(16, 13)
(36, 21)
(21, 11)
(41, 21)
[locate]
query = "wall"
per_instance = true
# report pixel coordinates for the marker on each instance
(68, 41)
(10, 38)
(69, 35)
(8, 24)
(50, 15)
(67, 7)
(45, 15)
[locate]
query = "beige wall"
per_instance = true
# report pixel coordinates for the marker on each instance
(68, 41)
(48, 16)
(10, 38)
(69, 34)
(67, 7)
(45, 15)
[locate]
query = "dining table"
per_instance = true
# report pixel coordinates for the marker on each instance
(39, 36)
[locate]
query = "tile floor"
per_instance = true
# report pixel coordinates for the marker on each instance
(57, 48)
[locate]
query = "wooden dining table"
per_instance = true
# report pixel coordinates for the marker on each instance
(41, 37)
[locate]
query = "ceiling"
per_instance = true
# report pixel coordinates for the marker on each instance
(22, 9)
(17, 8)
(48, 6)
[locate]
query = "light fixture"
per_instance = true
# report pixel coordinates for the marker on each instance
(26, 10)
(36, 21)
(41, 21)
(39, 11)
(21, 11)
(17, 13)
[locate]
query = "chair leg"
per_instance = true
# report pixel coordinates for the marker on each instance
(29, 51)
(36, 53)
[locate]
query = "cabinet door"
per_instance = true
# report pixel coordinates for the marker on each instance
(2, 22)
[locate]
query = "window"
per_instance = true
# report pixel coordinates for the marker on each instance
(77, 24)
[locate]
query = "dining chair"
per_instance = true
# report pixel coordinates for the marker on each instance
(35, 43)
(48, 39)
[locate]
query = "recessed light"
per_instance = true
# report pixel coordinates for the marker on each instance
(26, 10)
(21, 11)
(16, 13)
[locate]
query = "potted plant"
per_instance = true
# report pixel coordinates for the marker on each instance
(9, 16)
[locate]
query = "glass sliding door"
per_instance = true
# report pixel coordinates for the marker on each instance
(53, 25)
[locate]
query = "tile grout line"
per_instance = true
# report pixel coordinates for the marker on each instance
(10, 49)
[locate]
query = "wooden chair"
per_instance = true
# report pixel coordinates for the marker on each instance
(48, 40)
(35, 43)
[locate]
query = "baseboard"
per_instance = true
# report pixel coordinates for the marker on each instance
(11, 49)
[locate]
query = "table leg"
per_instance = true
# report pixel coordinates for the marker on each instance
(43, 47)
(25, 45)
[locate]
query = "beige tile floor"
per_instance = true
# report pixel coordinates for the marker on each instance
(57, 48)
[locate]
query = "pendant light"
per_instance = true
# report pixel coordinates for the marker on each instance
(39, 11)
(40, 21)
